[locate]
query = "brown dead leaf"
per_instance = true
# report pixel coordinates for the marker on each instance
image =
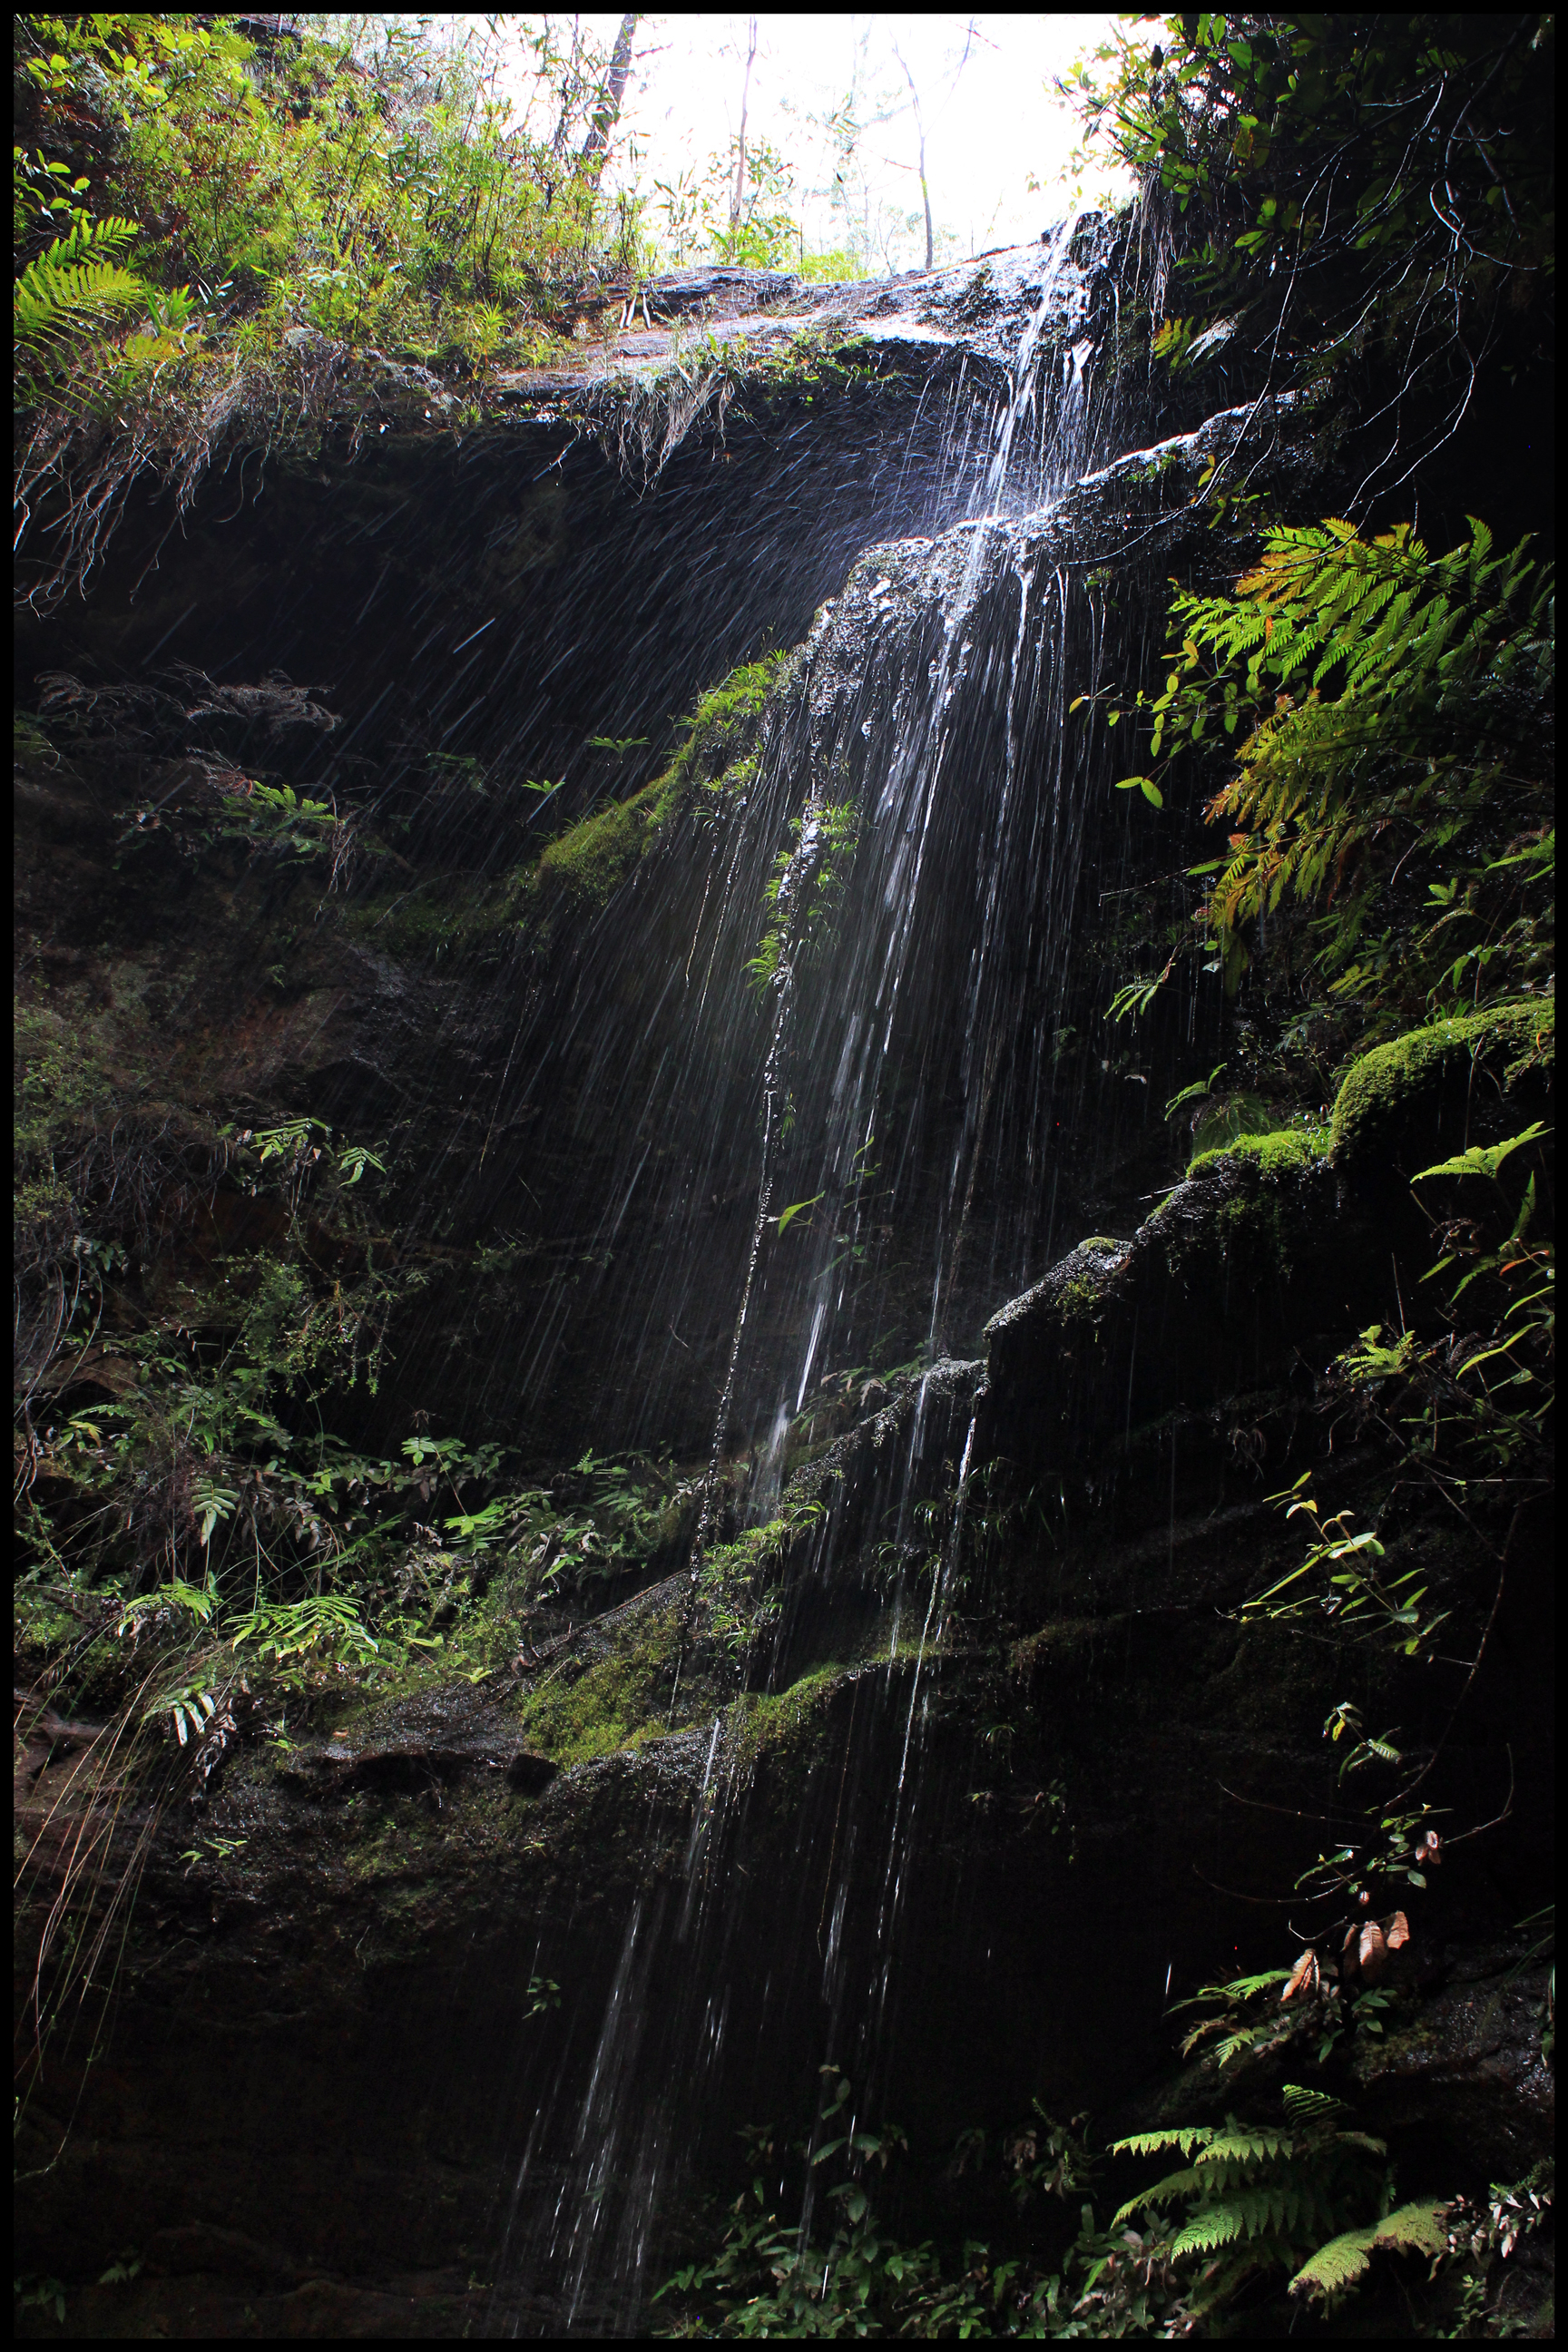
(1371, 1952)
(1396, 1931)
(1303, 1975)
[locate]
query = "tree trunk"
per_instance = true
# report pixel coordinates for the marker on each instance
(921, 134)
(596, 146)
(738, 193)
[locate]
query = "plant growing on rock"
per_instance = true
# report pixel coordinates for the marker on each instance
(309, 205)
(1259, 2201)
(1387, 712)
(1325, 195)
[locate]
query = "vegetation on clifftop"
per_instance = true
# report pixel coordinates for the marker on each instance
(218, 233)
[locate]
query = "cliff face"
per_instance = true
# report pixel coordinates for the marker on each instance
(428, 800)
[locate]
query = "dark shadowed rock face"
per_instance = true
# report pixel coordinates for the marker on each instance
(380, 1958)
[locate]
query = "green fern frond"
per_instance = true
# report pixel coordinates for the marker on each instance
(74, 284)
(1211, 2227)
(1224, 2051)
(1244, 1988)
(1244, 2147)
(1412, 2229)
(1336, 2266)
(1187, 2138)
(1175, 2184)
(1304, 2106)
(93, 240)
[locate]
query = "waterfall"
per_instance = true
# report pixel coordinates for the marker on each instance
(854, 1038)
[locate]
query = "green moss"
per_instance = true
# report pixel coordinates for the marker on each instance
(1083, 1296)
(583, 868)
(1380, 1086)
(621, 1702)
(452, 915)
(1223, 1121)
(1283, 1151)
(782, 1724)
(716, 748)
(737, 778)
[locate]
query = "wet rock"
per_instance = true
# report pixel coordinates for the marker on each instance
(717, 292)
(1433, 1092)
(1469, 2071)
(1244, 1271)
(1167, 478)
(911, 1441)
(418, 1754)
(530, 1773)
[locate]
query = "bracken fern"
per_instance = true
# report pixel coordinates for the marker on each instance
(75, 283)
(1263, 2200)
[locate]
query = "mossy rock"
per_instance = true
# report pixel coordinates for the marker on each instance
(582, 868)
(1278, 1153)
(1438, 1090)
(1250, 1264)
(785, 1724)
(613, 1702)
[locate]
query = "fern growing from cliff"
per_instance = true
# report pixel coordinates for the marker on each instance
(1391, 711)
(1343, 2262)
(75, 286)
(1430, 657)
(1251, 2200)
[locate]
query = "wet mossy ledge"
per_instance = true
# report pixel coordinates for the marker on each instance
(1276, 1152)
(1438, 1090)
(580, 871)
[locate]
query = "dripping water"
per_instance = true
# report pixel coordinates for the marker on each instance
(933, 693)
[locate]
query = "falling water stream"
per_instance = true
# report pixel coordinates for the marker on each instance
(916, 788)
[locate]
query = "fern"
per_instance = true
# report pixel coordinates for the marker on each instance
(75, 283)
(1376, 693)
(1260, 2199)
(1307, 2106)
(1186, 2139)
(1337, 2266)
(1244, 2147)
(1319, 781)
(1175, 2184)
(1211, 2227)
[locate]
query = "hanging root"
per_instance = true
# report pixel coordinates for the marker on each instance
(90, 441)
(640, 426)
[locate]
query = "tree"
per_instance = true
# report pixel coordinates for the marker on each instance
(921, 134)
(738, 193)
(606, 112)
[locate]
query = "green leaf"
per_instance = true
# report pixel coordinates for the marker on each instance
(1483, 1159)
(783, 1220)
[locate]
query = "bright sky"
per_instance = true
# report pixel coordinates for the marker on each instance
(992, 119)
